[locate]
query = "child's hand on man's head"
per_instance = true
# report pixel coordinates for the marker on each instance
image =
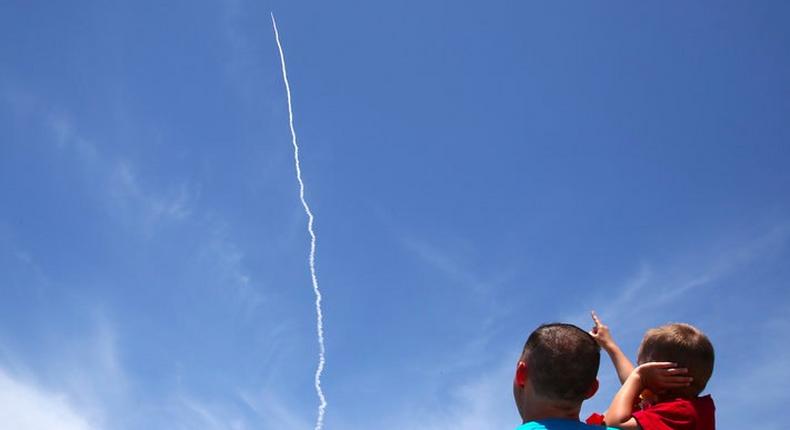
(600, 332)
(662, 376)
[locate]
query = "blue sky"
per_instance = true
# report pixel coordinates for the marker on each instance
(475, 169)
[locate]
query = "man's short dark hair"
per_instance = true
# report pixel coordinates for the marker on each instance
(562, 361)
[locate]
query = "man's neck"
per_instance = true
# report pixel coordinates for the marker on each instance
(543, 410)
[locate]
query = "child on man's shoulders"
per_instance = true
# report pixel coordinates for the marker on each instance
(675, 362)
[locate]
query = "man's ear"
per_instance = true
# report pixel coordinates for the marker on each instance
(521, 374)
(593, 389)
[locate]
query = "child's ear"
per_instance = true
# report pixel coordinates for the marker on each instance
(593, 389)
(521, 374)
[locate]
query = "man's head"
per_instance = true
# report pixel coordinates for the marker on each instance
(556, 372)
(685, 345)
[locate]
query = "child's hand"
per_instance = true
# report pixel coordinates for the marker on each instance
(600, 332)
(661, 376)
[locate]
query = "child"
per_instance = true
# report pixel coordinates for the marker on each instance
(675, 363)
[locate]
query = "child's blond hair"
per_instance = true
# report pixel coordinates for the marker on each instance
(685, 345)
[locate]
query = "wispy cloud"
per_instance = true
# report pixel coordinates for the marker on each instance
(117, 177)
(445, 263)
(147, 208)
(757, 381)
(23, 405)
(191, 413)
(481, 402)
(226, 259)
(137, 202)
(129, 192)
(88, 376)
(652, 288)
(84, 388)
(272, 413)
(92, 371)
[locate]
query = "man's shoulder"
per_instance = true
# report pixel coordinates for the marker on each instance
(557, 424)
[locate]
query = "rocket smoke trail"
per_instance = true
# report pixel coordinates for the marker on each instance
(319, 314)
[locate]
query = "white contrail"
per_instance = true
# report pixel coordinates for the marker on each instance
(319, 314)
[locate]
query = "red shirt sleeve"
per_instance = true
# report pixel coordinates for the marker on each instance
(595, 419)
(674, 415)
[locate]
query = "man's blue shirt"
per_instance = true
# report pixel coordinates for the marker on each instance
(558, 424)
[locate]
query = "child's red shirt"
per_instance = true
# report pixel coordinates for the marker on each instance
(697, 413)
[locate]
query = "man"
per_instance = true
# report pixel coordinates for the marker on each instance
(556, 372)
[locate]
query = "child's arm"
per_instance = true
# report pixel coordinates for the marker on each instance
(649, 375)
(601, 334)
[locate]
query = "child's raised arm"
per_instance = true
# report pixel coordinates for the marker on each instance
(655, 375)
(601, 334)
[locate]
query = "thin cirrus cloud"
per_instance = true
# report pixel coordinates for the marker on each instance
(137, 205)
(85, 388)
(119, 179)
(90, 389)
(653, 288)
(26, 406)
